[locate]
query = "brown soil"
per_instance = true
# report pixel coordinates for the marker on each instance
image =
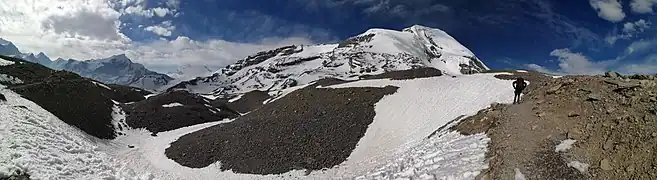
(613, 120)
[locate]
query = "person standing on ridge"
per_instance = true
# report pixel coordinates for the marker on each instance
(519, 85)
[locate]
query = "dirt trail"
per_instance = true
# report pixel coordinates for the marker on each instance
(612, 120)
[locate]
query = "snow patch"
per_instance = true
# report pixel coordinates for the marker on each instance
(4, 62)
(118, 120)
(581, 167)
(235, 98)
(150, 95)
(101, 85)
(556, 77)
(36, 141)
(447, 156)
(519, 175)
(10, 79)
(565, 145)
(209, 96)
(172, 105)
(521, 71)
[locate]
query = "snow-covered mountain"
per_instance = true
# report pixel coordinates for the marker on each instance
(374, 52)
(117, 69)
(8, 48)
(188, 71)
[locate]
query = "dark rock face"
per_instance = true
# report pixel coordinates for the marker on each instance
(356, 40)
(308, 129)
(157, 114)
(406, 74)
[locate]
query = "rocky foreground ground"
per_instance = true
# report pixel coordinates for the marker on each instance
(612, 120)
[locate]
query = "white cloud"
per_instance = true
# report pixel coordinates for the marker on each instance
(159, 30)
(576, 63)
(141, 11)
(89, 29)
(164, 29)
(629, 30)
(610, 10)
(161, 11)
(643, 6)
(641, 46)
(634, 27)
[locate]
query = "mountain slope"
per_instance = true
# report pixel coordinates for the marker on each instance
(78, 101)
(374, 52)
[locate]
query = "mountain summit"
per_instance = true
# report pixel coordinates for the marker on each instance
(373, 52)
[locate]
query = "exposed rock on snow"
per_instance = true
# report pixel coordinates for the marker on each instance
(7, 79)
(164, 112)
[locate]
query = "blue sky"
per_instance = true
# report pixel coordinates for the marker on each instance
(559, 36)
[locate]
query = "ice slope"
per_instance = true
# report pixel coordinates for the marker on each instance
(373, 52)
(35, 141)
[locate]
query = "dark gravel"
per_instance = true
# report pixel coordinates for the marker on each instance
(73, 99)
(406, 74)
(249, 101)
(151, 115)
(307, 129)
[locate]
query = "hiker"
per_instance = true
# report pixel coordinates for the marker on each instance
(518, 85)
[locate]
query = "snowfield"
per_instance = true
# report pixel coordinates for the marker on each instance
(6, 62)
(395, 145)
(35, 141)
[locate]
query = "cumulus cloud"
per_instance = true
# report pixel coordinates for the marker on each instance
(634, 27)
(643, 6)
(610, 10)
(164, 29)
(140, 10)
(159, 30)
(90, 29)
(629, 30)
(576, 63)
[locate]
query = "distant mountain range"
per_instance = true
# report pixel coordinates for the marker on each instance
(117, 69)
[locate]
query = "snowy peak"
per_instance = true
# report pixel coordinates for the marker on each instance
(374, 52)
(433, 46)
(120, 58)
(8, 48)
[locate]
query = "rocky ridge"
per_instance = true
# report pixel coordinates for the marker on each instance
(612, 120)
